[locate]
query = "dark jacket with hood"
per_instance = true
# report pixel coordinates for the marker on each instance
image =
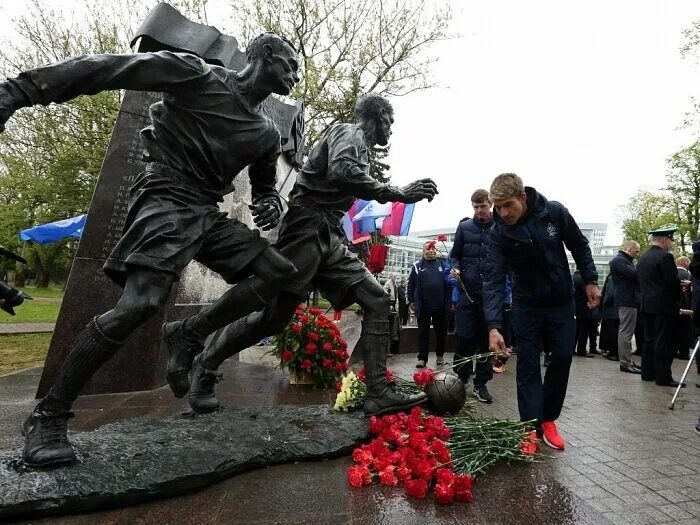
(533, 251)
(469, 252)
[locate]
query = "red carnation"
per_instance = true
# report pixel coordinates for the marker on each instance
(296, 328)
(376, 425)
(339, 386)
(445, 476)
(442, 237)
(328, 347)
(403, 474)
(327, 363)
(313, 336)
(444, 493)
(424, 377)
(463, 482)
(315, 311)
(306, 364)
(464, 496)
(359, 476)
(310, 349)
(387, 476)
(287, 356)
(389, 374)
(417, 488)
(340, 367)
(362, 456)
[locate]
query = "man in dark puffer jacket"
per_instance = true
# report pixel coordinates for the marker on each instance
(468, 260)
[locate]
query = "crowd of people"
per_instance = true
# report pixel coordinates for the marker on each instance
(507, 282)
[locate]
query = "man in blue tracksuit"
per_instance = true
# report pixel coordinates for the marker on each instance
(528, 238)
(429, 296)
(468, 259)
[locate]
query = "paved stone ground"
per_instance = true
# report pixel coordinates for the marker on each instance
(629, 459)
(26, 328)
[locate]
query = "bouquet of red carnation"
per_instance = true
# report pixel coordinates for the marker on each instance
(312, 343)
(411, 451)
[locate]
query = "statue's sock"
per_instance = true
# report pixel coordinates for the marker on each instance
(238, 336)
(92, 348)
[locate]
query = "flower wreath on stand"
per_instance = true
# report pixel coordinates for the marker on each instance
(311, 343)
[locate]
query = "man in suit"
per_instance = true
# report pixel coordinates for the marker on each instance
(661, 291)
(626, 297)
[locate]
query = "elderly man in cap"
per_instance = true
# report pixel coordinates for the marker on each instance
(661, 291)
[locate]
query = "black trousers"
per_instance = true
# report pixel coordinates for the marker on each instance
(684, 336)
(439, 322)
(659, 344)
(466, 347)
(403, 313)
(537, 327)
(586, 332)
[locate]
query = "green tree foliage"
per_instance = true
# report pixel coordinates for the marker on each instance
(378, 168)
(645, 211)
(350, 47)
(683, 186)
(50, 157)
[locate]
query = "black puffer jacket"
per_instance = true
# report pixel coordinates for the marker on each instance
(469, 252)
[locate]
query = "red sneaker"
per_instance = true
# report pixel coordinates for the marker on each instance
(551, 436)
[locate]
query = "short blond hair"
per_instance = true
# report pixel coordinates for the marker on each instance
(629, 244)
(506, 186)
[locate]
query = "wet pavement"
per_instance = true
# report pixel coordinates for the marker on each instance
(629, 459)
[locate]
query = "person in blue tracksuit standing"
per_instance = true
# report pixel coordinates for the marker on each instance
(468, 258)
(528, 238)
(429, 295)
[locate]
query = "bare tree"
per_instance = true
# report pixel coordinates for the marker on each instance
(350, 47)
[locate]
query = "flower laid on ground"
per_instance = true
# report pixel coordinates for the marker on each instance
(352, 389)
(410, 451)
(426, 453)
(424, 377)
(351, 393)
(312, 343)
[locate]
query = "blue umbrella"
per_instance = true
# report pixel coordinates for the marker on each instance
(54, 231)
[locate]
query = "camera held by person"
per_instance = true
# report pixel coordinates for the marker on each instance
(9, 296)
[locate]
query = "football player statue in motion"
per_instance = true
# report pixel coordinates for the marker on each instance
(205, 130)
(311, 236)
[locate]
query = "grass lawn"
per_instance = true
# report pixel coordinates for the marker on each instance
(43, 309)
(22, 351)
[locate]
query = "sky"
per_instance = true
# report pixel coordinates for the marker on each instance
(584, 100)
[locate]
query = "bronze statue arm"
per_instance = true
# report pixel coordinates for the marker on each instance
(163, 71)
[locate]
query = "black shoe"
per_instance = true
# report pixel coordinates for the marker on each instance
(46, 440)
(595, 351)
(181, 352)
(671, 383)
(482, 394)
(612, 357)
(630, 369)
(390, 401)
(202, 397)
(585, 355)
